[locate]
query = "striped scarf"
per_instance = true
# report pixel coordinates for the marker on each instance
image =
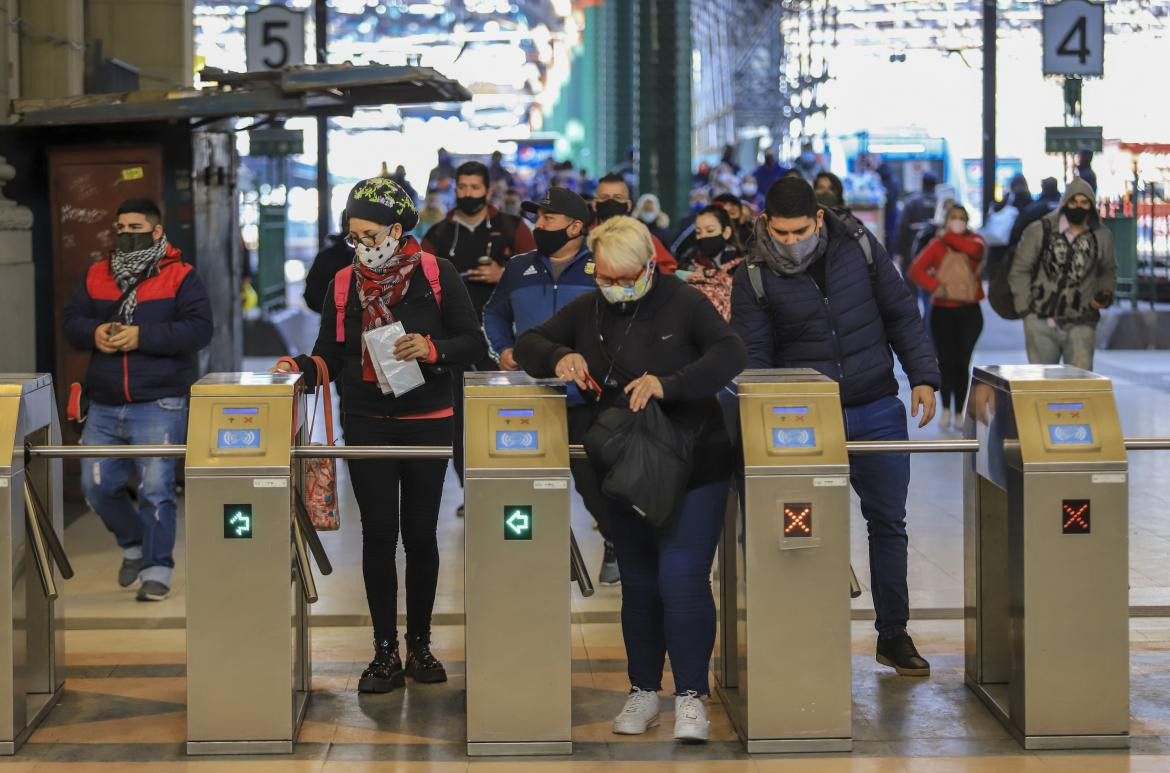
(130, 269)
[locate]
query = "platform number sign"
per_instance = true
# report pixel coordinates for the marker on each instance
(237, 521)
(1074, 38)
(274, 37)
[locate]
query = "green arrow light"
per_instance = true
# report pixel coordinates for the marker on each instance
(237, 521)
(518, 522)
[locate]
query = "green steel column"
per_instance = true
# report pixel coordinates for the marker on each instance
(624, 83)
(664, 135)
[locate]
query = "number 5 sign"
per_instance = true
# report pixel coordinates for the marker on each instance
(1074, 38)
(275, 37)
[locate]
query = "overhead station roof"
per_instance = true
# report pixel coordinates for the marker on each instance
(305, 90)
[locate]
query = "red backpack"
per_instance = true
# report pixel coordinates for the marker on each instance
(343, 279)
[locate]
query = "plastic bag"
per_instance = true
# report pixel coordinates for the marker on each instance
(394, 376)
(998, 229)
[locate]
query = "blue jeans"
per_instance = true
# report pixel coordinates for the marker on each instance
(145, 531)
(881, 482)
(667, 604)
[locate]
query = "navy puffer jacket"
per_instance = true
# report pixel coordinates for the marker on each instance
(850, 333)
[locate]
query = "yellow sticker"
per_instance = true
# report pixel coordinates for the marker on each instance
(589, 268)
(133, 173)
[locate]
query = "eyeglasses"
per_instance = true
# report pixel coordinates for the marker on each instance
(367, 241)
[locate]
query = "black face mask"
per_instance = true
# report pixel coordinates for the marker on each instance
(548, 242)
(711, 246)
(134, 242)
(611, 208)
(1076, 215)
(471, 205)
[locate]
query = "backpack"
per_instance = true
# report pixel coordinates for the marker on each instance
(856, 230)
(343, 279)
(999, 291)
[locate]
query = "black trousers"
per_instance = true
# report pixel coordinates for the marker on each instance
(955, 332)
(398, 495)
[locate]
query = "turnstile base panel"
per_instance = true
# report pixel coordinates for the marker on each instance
(519, 748)
(798, 745)
(995, 697)
(202, 748)
(39, 705)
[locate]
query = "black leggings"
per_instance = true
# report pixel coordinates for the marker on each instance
(379, 485)
(955, 331)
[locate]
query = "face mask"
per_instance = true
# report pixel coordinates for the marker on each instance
(827, 198)
(134, 242)
(712, 245)
(471, 205)
(749, 189)
(619, 294)
(698, 206)
(799, 252)
(548, 242)
(957, 226)
(1076, 215)
(648, 217)
(610, 208)
(377, 256)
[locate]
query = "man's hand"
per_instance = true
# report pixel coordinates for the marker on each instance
(507, 361)
(640, 390)
(922, 396)
(411, 346)
(101, 338)
(1093, 304)
(126, 339)
(488, 274)
(573, 367)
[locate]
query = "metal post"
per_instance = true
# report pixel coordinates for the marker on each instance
(990, 13)
(321, 25)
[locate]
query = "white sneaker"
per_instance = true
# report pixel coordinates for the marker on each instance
(639, 714)
(944, 421)
(960, 420)
(690, 718)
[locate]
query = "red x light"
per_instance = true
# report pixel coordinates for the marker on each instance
(798, 519)
(1075, 516)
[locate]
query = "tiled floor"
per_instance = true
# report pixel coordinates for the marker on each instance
(124, 708)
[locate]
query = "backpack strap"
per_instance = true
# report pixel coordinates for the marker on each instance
(756, 278)
(344, 278)
(430, 267)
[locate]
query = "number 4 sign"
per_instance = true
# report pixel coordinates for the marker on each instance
(274, 37)
(1074, 38)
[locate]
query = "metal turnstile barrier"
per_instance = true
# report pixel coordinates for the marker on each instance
(517, 608)
(249, 582)
(32, 631)
(1046, 557)
(783, 653)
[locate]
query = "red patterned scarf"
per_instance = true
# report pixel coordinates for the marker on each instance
(380, 289)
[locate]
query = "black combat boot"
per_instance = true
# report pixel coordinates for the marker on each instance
(385, 671)
(421, 665)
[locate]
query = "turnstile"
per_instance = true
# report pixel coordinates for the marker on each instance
(1046, 556)
(783, 653)
(32, 631)
(517, 603)
(248, 579)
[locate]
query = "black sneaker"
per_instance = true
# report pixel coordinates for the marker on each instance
(898, 652)
(152, 590)
(609, 574)
(421, 665)
(128, 572)
(385, 671)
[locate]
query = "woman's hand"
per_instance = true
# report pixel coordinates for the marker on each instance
(411, 346)
(640, 390)
(281, 367)
(573, 367)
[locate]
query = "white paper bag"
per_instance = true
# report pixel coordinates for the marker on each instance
(394, 376)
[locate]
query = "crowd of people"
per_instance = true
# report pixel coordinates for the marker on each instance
(588, 283)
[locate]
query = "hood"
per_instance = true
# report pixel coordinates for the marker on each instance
(1074, 187)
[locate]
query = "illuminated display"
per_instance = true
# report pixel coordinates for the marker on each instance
(1066, 406)
(1075, 516)
(237, 439)
(237, 522)
(1070, 434)
(794, 438)
(789, 409)
(798, 519)
(518, 522)
(517, 412)
(241, 411)
(517, 440)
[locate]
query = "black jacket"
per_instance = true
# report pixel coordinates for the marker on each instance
(452, 325)
(328, 262)
(673, 333)
(849, 333)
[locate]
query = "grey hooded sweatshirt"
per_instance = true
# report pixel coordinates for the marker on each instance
(1055, 278)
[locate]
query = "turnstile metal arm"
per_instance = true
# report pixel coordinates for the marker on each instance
(43, 524)
(854, 585)
(578, 572)
(308, 582)
(309, 534)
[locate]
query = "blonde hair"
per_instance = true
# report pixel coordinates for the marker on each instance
(623, 242)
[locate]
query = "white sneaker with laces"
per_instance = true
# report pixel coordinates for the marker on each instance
(690, 718)
(639, 714)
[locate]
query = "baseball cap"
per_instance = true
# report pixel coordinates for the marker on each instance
(561, 201)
